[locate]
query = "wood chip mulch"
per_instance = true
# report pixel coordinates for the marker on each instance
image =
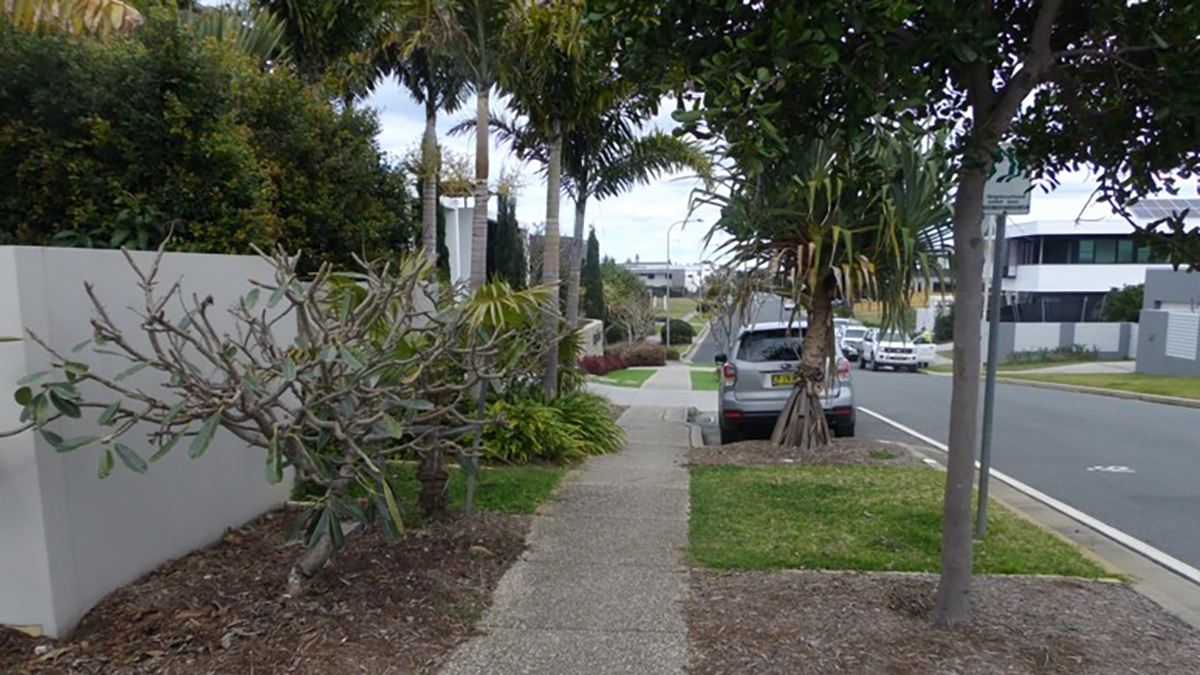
(842, 452)
(379, 608)
(804, 623)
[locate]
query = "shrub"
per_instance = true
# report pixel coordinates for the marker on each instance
(616, 333)
(590, 417)
(1055, 355)
(1123, 304)
(529, 429)
(572, 426)
(673, 353)
(943, 324)
(602, 364)
(639, 354)
(681, 332)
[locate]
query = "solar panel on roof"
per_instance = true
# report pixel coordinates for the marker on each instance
(1157, 209)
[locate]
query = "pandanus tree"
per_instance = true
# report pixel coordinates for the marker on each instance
(832, 220)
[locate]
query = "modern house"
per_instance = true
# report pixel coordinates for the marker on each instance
(658, 276)
(1060, 270)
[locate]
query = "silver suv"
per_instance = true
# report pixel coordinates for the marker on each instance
(757, 378)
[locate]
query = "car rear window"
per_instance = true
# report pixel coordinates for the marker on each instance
(855, 333)
(779, 344)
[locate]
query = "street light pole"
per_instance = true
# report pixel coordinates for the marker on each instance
(667, 297)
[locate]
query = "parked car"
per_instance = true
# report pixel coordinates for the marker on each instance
(890, 349)
(852, 339)
(757, 378)
(926, 349)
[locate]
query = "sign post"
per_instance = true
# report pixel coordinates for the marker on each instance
(1007, 191)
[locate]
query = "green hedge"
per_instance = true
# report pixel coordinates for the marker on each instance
(681, 332)
(118, 141)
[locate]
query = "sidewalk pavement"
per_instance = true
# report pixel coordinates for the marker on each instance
(675, 376)
(683, 396)
(601, 586)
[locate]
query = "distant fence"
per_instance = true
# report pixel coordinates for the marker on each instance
(1169, 343)
(69, 538)
(1115, 341)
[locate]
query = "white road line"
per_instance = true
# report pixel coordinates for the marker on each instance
(1165, 559)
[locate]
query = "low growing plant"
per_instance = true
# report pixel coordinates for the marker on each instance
(1069, 353)
(639, 354)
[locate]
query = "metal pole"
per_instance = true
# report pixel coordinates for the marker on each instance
(989, 387)
(667, 297)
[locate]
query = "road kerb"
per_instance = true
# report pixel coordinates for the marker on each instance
(1187, 609)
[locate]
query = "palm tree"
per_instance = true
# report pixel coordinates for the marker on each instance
(77, 17)
(412, 46)
(543, 73)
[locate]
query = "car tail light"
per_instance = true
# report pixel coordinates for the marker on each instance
(729, 372)
(843, 369)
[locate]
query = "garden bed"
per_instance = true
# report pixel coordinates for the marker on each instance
(379, 608)
(841, 452)
(805, 623)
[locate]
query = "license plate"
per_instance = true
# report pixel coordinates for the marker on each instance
(783, 379)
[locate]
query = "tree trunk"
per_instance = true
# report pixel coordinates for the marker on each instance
(311, 562)
(802, 423)
(550, 259)
(479, 238)
(953, 600)
(576, 261)
(433, 477)
(429, 166)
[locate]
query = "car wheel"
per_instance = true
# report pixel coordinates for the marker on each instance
(844, 430)
(874, 365)
(729, 435)
(862, 363)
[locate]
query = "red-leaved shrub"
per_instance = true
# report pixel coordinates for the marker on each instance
(603, 364)
(639, 354)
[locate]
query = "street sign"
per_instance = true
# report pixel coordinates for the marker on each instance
(1008, 188)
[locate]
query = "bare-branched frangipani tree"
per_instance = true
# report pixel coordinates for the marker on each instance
(332, 375)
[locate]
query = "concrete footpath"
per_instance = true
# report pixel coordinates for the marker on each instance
(601, 586)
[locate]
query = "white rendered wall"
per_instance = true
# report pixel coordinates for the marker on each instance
(1105, 337)
(68, 537)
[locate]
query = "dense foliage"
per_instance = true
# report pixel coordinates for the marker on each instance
(510, 262)
(593, 283)
(639, 354)
(681, 332)
(572, 426)
(1123, 304)
(602, 364)
(118, 142)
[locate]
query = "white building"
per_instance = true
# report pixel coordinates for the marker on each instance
(659, 275)
(1060, 270)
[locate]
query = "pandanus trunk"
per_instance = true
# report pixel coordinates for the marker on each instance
(802, 423)
(550, 259)
(577, 260)
(479, 238)
(953, 600)
(432, 475)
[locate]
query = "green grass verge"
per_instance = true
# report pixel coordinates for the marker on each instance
(852, 518)
(681, 307)
(505, 489)
(628, 377)
(704, 380)
(1162, 385)
(1017, 367)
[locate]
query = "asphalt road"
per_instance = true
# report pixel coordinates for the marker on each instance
(1054, 441)
(1065, 444)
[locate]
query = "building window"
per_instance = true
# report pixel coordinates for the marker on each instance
(1056, 251)
(1125, 250)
